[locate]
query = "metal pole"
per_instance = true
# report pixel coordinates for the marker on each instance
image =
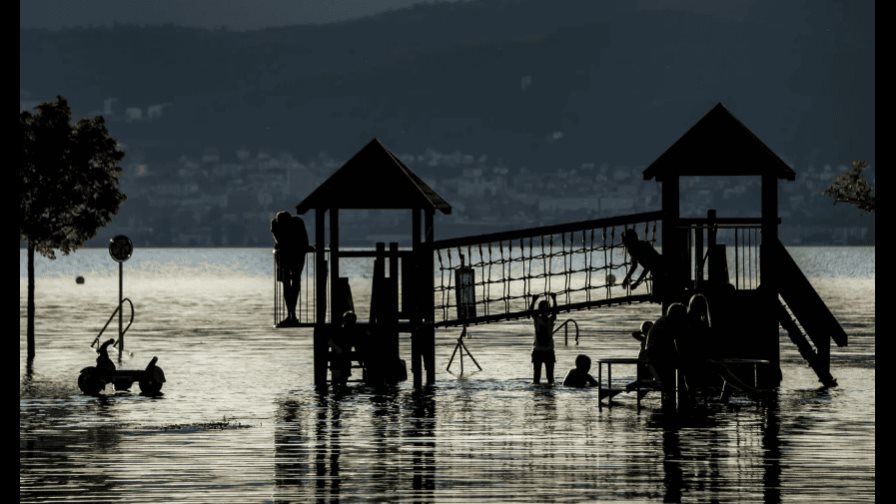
(274, 307)
(120, 314)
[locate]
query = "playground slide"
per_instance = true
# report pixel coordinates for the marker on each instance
(804, 302)
(821, 366)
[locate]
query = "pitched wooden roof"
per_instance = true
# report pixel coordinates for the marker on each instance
(718, 144)
(374, 178)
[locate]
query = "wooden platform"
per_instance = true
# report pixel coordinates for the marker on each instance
(645, 384)
(641, 386)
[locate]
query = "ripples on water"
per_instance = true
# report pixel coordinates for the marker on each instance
(239, 420)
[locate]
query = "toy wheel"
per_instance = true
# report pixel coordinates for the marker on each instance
(151, 382)
(89, 382)
(150, 388)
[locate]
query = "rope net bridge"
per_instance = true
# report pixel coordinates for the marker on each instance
(487, 278)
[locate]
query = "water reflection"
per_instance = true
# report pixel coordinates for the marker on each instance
(383, 439)
(420, 430)
(54, 459)
(771, 449)
(327, 448)
(290, 465)
(716, 453)
(673, 480)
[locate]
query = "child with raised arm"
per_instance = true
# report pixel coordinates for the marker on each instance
(544, 338)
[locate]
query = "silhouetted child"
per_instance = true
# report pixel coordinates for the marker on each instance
(662, 355)
(104, 365)
(700, 327)
(578, 376)
(643, 369)
(544, 338)
(641, 335)
(695, 345)
(643, 254)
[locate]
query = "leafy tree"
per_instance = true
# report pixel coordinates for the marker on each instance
(851, 187)
(69, 175)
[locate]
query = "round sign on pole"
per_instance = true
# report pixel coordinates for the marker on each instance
(121, 248)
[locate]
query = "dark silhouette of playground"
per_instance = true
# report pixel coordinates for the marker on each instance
(735, 266)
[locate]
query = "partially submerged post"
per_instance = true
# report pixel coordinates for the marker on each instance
(375, 178)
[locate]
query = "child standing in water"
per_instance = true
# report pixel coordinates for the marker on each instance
(544, 338)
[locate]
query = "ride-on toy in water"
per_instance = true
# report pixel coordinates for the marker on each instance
(93, 379)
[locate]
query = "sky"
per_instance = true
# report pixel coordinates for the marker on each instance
(232, 14)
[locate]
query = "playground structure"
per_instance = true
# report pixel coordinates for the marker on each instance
(738, 263)
(376, 179)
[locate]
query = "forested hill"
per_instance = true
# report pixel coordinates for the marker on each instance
(532, 82)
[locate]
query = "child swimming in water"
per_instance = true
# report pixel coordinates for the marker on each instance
(579, 377)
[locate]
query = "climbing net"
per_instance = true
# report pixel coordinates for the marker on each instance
(499, 274)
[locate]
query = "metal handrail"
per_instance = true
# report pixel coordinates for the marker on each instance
(114, 312)
(565, 327)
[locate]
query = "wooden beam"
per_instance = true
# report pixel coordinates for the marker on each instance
(545, 230)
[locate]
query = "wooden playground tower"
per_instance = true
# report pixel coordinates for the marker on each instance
(375, 178)
(746, 310)
(738, 263)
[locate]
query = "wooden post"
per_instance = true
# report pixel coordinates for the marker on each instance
(320, 332)
(335, 318)
(392, 291)
(415, 311)
(768, 277)
(698, 250)
(377, 344)
(711, 236)
(393, 267)
(379, 272)
(426, 296)
(672, 288)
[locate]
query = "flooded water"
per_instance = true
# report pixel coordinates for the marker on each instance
(239, 420)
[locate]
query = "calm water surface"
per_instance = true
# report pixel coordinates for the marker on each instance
(239, 420)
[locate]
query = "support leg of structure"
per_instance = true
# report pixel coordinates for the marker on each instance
(429, 353)
(416, 368)
(320, 355)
